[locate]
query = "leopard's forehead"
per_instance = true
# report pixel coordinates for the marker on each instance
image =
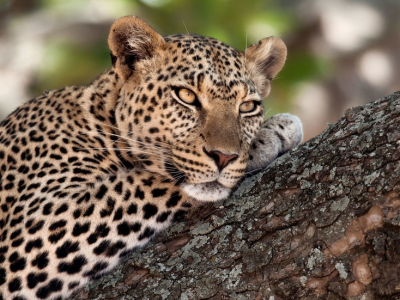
(201, 44)
(221, 64)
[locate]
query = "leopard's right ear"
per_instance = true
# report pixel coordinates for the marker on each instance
(131, 40)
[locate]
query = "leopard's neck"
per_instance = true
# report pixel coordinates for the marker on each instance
(100, 100)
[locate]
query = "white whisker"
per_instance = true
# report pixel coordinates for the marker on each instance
(140, 143)
(185, 27)
(122, 130)
(245, 66)
(267, 65)
(265, 114)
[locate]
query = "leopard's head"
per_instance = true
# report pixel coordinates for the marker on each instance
(190, 105)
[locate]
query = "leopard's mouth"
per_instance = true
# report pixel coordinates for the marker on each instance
(208, 191)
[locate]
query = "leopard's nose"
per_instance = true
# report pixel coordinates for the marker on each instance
(221, 159)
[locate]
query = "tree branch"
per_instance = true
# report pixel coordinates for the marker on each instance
(321, 222)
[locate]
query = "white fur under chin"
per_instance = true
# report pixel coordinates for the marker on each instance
(209, 191)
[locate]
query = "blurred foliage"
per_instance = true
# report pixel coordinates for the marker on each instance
(70, 64)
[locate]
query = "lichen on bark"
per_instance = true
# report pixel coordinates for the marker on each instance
(321, 222)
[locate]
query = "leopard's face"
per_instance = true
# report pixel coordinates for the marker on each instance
(190, 109)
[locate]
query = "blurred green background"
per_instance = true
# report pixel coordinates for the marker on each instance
(340, 53)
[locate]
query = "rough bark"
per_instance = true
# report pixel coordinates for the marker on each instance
(321, 222)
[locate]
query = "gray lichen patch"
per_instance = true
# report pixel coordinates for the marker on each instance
(369, 179)
(340, 267)
(315, 258)
(340, 204)
(202, 229)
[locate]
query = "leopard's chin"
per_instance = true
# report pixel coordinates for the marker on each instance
(208, 191)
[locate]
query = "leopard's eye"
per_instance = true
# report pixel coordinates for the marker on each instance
(248, 106)
(187, 96)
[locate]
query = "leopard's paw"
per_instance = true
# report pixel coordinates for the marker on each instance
(277, 135)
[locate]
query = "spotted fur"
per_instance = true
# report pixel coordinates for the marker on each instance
(87, 174)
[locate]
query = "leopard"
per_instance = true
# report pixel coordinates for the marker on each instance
(90, 173)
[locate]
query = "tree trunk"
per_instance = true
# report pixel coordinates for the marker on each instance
(321, 222)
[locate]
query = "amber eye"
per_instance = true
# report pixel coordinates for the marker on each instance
(187, 96)
(248, 106)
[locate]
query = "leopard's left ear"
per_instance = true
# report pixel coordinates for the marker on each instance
(264, 60)
(131, 40)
